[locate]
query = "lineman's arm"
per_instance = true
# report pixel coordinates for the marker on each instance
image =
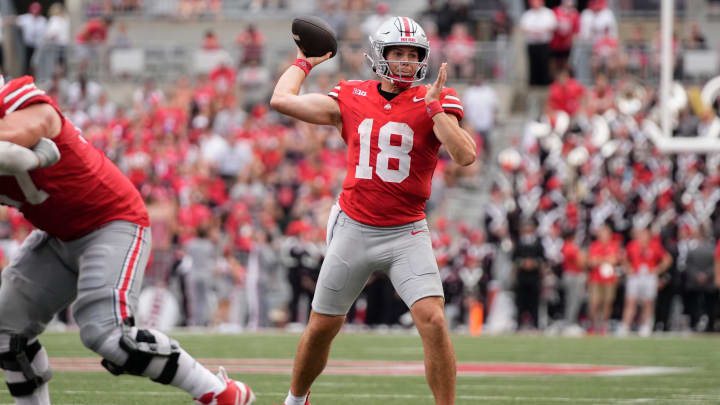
(313, 108)
(27, 126)
(456, 140)
(25, 139)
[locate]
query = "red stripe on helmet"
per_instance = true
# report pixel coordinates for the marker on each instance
(406, 24)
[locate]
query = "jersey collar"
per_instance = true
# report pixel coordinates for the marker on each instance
(414, 94)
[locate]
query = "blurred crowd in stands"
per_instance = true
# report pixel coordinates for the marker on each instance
(583, 210)
(238, 195)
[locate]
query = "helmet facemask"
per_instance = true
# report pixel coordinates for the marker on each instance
(382, 67)
(399, 31)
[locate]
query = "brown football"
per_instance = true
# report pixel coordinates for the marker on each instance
(314, 36)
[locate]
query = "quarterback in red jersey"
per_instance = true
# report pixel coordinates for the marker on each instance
(90, 249)
(393, 131)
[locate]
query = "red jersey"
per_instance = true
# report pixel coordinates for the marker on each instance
(392, 151)
(78, 194)
(566, 97)
(603, 274)
(644, 260)
(571, 258)
(568, 24)
(95, 30)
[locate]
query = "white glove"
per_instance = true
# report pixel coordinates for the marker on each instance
(16, 159)
(47, 152)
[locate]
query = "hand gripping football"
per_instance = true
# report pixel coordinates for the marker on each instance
(314, 36)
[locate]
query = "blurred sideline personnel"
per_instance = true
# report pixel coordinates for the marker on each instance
(393, 131)
(91, 247)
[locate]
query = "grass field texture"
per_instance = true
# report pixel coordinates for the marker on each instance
(697, 383)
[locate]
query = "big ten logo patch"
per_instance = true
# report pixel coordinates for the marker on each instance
(360, 92)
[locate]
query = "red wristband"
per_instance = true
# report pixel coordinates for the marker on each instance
(434, 107)
(304, 65)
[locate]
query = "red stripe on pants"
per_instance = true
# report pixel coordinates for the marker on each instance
(129, 273)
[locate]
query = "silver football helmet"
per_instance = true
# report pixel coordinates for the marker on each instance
(398, 31)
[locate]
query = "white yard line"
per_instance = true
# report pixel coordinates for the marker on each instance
(644, 371)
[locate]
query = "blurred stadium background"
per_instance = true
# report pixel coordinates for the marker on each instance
(567, 115)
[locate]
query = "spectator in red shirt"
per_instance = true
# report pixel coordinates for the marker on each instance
(94, 32)
(251, 43)
(566, 93)
(645, 259)
(601, 98)
(574, 278)
(606, 53)
(603, 256)
(501, 24)
(460, 51)
(223, 76)
(91, 37)
(568, 24)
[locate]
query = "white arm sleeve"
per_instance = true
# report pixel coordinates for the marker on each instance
(16, 159)
(47, 152)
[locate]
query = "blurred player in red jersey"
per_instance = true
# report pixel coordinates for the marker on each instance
(645, 258)
(90, 249)
(393, 131)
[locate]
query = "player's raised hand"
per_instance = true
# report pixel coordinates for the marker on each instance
(434, 90)
(314, 60)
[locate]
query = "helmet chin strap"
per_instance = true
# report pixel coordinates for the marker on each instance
(399, 84)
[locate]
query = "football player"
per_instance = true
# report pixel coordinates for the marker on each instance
(393, 130)
(90, 249)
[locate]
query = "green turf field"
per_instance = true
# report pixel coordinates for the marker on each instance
(699, 385)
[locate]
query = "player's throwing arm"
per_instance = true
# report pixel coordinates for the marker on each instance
(317, 39)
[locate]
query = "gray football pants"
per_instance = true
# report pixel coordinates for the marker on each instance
(100, 274)
(357, 250)
(575, 286)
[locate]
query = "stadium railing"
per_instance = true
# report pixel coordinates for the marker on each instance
(225, 9)
(163, 64)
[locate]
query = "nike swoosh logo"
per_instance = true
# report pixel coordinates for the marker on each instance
(416, 232)
(415, 99)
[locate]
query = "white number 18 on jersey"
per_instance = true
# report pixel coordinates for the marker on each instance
(401, 152)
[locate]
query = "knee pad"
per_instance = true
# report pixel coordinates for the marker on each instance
(19, 358)
(142, 346)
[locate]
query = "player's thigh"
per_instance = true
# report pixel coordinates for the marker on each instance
(633, 286)
(414, 272)
(608, 292)
(648, 290)
(344, 272)
(111, 263)
(35, 286)
(573, 284)
(594, 293)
